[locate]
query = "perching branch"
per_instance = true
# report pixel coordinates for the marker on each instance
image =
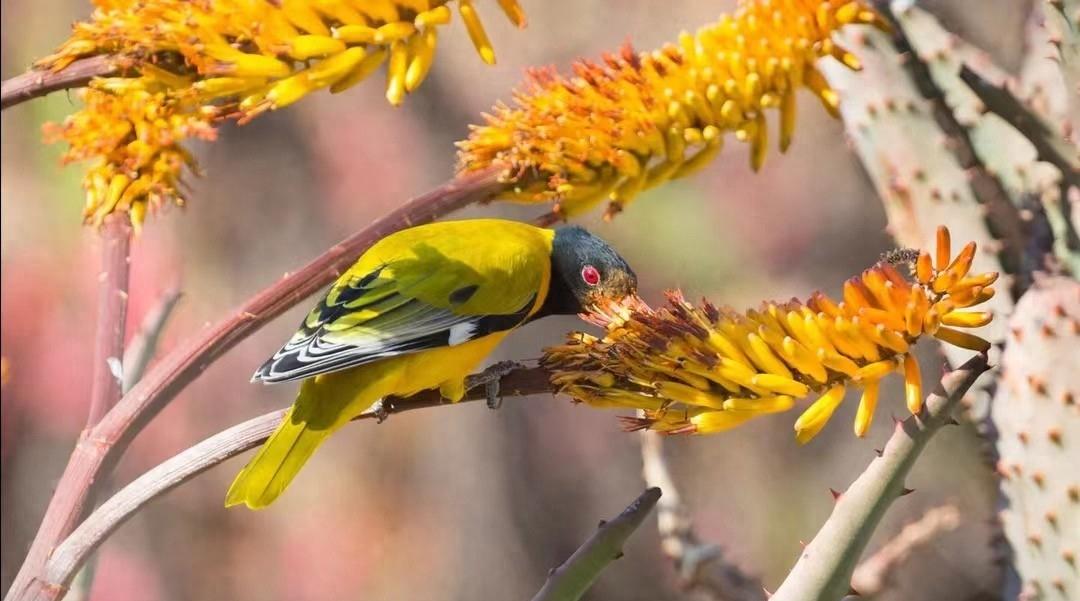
(874, 574)
(573, 578)
(73, 552)
(36, 83)
(1050, 145)
(100, 446)
(823, 571)
(701, 567)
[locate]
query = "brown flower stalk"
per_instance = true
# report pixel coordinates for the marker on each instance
(111, 317)
(38, 82)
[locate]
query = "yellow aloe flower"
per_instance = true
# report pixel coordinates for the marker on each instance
(199, 61)
(704, 369)
(635, 120)
(263, 54)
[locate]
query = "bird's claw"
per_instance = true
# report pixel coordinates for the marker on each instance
(491, 391)
(380, 411)
(491, 377)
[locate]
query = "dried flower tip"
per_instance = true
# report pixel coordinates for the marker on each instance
(632, 121)
(703, 369)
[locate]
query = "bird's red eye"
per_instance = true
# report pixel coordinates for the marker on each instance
(590, 275)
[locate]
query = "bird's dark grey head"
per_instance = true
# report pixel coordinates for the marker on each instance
(584, 270)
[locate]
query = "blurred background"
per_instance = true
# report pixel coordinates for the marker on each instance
(461, 502)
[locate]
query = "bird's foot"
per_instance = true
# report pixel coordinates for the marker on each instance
(379, 410)
(490, 379)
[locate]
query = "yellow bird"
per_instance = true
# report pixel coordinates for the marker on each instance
(419, 310)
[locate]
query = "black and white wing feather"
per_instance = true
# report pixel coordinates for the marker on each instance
(365, 319)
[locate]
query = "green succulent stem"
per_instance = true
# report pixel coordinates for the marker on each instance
(823, 571)
(576, 575)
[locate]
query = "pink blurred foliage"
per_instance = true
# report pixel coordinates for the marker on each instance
(49, 306)
(125, 575)
(365, 158)
(46, 334)
(317, 570)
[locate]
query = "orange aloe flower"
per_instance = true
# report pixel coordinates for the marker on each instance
(703, 369)
(636, 120)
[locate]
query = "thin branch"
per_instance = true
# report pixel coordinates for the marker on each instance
(573, 578)
(701, 566)
(1050, 145)
(73, 552)
(874, 574)
(99, 448)
(823, 571)
(36, 83)
(143, 345)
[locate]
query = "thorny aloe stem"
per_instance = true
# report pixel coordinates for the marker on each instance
(573, 578)
(100, 446)
(823, 571)
(73, 552)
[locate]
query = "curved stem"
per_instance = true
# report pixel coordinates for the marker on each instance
(65, 561)
(101, 445)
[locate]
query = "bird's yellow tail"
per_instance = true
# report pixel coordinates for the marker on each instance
(276, 464)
